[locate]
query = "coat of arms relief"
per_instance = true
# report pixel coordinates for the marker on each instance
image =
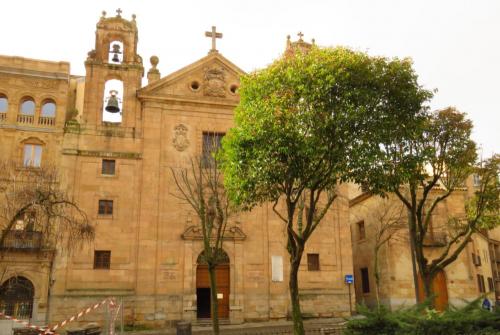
(214, 82)
(180, 140)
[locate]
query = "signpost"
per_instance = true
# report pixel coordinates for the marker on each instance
(349, 280)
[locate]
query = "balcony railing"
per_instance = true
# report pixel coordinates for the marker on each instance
(22, 240)
(436, 239)
(46, 121)
(25, 118)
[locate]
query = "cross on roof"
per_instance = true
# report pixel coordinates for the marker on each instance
(213, 34)
(300, 35)
(119, 12)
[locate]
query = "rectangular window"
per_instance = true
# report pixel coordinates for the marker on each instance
(361, 230)
(102, 259)
(108, 167)
(365, 280)
(491, 285)
(476, 180)
(211, 144)
(105, 207)
(480, 284)
(313, 262)
(32, 155)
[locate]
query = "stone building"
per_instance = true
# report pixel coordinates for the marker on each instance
(114, 142)
(473, 274)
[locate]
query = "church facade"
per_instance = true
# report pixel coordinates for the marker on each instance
(114, 142)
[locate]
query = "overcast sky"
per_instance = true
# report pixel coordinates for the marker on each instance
(455, 44)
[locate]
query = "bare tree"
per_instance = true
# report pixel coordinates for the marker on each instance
(201, 186)
(37, 213)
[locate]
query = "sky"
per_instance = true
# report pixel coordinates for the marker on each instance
(455, 44)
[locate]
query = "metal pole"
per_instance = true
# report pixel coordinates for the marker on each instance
(121, 315)
(350, 303)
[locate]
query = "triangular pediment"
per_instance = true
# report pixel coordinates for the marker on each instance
(213, 77)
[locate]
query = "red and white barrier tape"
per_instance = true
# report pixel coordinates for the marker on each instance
(26, 324)
(51, 330)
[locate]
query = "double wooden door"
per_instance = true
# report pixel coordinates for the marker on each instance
(440, 290)
(203, 291)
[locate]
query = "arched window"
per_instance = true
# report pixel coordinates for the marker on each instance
(113, 101)
(16, 297)
(48, 109)
(115, 52)
(4, 104)
(27, 106)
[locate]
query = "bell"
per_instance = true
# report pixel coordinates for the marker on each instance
(112, 106)
(115, 58)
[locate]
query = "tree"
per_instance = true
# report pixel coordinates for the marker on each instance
(201, 186)
(36, 212)
(387, 218)
(303, 125)
(423, 170)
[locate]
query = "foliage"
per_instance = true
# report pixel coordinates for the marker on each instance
(308, 122)
(424, 169)
(420, 320)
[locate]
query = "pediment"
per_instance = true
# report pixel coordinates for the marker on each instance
(212, 77)
(232, 233)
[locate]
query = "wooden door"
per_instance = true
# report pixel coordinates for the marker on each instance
(223, 283)
(440, 290)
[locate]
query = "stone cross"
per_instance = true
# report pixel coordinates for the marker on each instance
(300, 35)
(213, 34)
(119, 12)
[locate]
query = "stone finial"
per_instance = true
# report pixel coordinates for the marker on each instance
(119, 12)
(153, 73)
(134, 17)
(103, 16)
(288, 41)
(313, 41)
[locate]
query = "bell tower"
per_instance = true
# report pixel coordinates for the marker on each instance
(113, 74)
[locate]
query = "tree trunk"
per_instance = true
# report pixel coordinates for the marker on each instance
(428, 290)
(298, 325)
(377, 277)
(214, 304)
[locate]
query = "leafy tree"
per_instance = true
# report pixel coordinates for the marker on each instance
(201, 186)
(423, 170)
(303, 125)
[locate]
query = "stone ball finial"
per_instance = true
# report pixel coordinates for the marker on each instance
(134, 17)
(154, 61)
(103, 14)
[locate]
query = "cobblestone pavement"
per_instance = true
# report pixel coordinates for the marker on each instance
(313, 327)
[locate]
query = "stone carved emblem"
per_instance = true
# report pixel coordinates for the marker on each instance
(215, 82)
(40, 83)
(180, 141)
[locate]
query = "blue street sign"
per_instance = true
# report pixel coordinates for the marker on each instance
(349, 279)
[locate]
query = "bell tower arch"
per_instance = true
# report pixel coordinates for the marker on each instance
(113, 74)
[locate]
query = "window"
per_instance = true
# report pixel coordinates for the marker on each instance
(361, 230)
(476, 180)
(365, 280)
(105, 207)
(27, 107)
(313, 262)
(4, 104)
(32, 156)
(102, 259)
(480, 284)
(211, 144)
(108, 167)
(491, 285)
(48, 109)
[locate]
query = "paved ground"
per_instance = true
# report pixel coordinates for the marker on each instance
(315, 326)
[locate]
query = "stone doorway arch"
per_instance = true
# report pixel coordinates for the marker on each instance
(16, 297)
(203, 287)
